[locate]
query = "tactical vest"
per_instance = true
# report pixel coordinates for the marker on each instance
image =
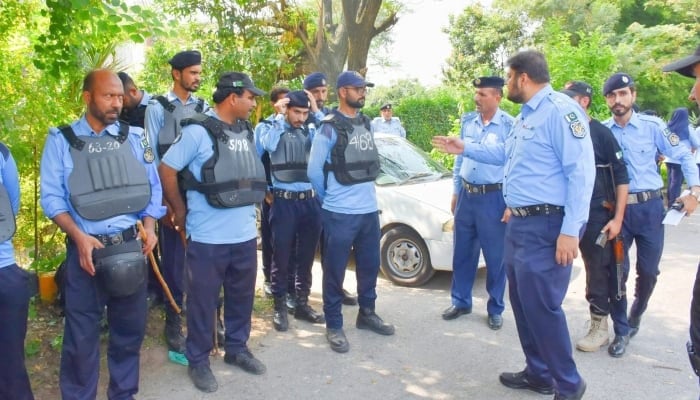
(289, 161)
(234, 175)
(175, 112)
(354, 158)
(107, 179)
(7, 216)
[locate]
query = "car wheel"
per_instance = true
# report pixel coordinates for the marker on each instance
(404, 257)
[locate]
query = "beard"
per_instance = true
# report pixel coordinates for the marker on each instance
(107, 117)
(619, 110)
(193, 87)
(359, 103)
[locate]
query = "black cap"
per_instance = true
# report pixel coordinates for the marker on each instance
(185, 59)
(489, 81)
(617, 81)
(577, 88)
(684, 66)
(298, 98)
(386, 106)
(230, 80)
(352, 78)
(314, 80)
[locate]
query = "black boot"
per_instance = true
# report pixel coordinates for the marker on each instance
(279, 317)
(368, 319)
(618, 346)
(291, 301)
(304, 312)
(173, 330)
(220, 331)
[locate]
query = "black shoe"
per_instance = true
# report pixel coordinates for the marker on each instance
(246, 361)
(349, 299)
(173, 331)
(519, 380)
(368, 319)
(618, 346)
(304, 312)
(267, 289)
(336, 338)
(634, 325)
(291, 301)
(453, 312)
(495, 321)
(279, 315)
(578, 395)
(202, 378)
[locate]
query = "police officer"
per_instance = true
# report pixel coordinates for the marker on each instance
(14, 289)
(342, 167)
(639, 136)
(547, 185)
(295, 214)
(478, 205)
(223, 178)
(679, 124)
(387, 123)
(163, 116)
(607, 208)
(135, 102)
(96, 183)
(690, 67)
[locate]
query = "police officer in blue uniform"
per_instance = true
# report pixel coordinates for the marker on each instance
(295, 214)
(14, 289)
(690, 67)
(679, 123)
(224, 179)
(163, 116)
(342, 167)
(105, 263)
(547, 185)
(387, 123)
(639, 137)
(478, 204)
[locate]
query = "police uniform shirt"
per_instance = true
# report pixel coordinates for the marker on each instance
(57, 165)
(10, 179)
(481, 143)
(155, 118)
(391, 127)
(692, 143)
(696, 134)
(549, 158)
(270, 139)
(360, 198)
(206, 224)
(606, 151)
(639, 140)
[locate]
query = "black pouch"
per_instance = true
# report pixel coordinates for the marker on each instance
(120, 269)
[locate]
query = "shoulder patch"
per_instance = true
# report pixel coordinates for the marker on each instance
(577, 129)
(674, 139)
(667, 132)
(571, 117)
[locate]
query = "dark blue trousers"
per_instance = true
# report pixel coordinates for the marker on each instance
(478, 226)
(675, 181)
(296, 227)
(641, 225)
(341, 233)
(209, 266)
(14, 306)
(80, 358)
(266, 239)
(172, 261)
(537, 286)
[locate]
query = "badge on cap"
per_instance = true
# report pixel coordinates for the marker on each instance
(625, 79)
(477, 82)
(674, 139)
(148, 155)
(577, 129)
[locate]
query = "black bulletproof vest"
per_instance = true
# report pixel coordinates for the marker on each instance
(354, 158)
(107, 179)
(289, 161)
(7, 215)
(234, 176)
(174, 113)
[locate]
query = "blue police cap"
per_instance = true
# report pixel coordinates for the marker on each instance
(617, 81)
(231, 80)
(489, 82)
(352, 78)
(314, 80)
(577, 88)
(185, 59)
(679, 123)
(298, 98)
(685, 65)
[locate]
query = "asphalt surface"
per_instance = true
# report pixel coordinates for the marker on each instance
(429, 358)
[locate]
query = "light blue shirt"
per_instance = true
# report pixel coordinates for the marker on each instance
(691, 143)
(549, 158)
(56, 168)
(10, 179)
(392, 127)
(270, 138)
(204, 223)
(481, 145)
(155, 118)
(360, 198)
(639, 140)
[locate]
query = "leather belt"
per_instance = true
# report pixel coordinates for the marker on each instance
(112, 239)
(537, 209)
(289, 195)
(641, 197)
(481, 189)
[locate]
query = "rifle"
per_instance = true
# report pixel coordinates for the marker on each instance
(618, 244)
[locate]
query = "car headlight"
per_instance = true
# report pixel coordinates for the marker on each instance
(449, 226)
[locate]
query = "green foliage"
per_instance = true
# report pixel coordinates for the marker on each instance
(32, 347)
(426, 116)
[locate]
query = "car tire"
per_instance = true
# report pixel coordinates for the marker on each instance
(405, 259)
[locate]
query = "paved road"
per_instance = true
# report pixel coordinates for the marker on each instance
(429, 358)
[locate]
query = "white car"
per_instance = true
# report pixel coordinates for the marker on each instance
(413, 193)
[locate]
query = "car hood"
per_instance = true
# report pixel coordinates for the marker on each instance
(437, 194)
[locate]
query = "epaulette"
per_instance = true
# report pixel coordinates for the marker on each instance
(328, 117)
(654, 119)
(469, 116)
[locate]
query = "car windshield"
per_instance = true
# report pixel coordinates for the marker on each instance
(402, 162)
